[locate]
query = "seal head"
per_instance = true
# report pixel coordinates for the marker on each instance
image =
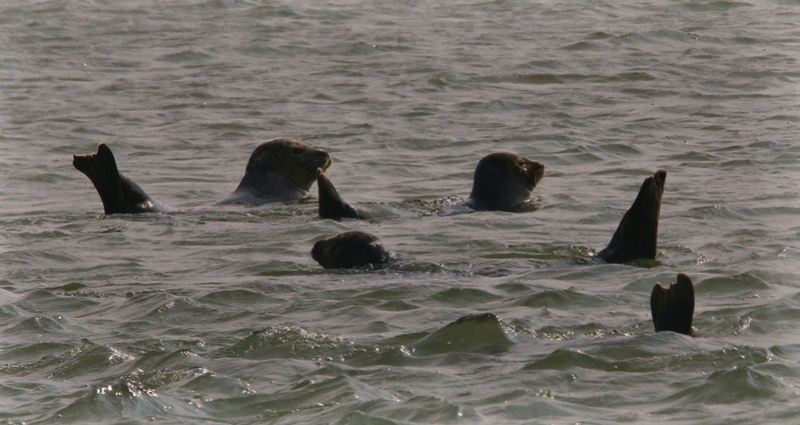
(637, 233)
(504, 181)
(278, 170)
(350, 250)
(120, 195)
(672, 307)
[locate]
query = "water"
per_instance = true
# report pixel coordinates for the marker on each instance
(219, 315)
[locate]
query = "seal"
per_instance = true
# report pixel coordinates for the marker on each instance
(637, 233)
(280, 169)
(350, 250)
(672, 307)
(504, 181)
(120, 195)
(331, 205)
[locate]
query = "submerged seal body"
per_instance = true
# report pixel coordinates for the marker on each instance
(637, 233)
(350, 250)
(672, 306)
(278, 170)
(504, 181)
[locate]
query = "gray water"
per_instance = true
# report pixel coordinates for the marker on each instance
(219, 315)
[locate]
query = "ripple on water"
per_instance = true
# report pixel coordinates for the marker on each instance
(479, 333)
(45, 325)
(745, 282)
(127, 397)
(561, 299)
(733, 386)
(286, 342)
(462, 297)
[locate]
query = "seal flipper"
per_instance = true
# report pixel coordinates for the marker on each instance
(120, 195)
(331, 205)
(637, 234)
(673, 307)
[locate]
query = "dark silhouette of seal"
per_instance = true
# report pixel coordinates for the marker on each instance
(672, 307)
(331, 205)
(637, 233)
(350, 250)
(503, 182)
(120, 195)
(278, 170)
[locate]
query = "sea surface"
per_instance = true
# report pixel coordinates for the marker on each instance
(218, 315)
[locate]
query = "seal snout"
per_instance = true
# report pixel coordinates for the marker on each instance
(538, 169)
(534, 171)
(542, 168)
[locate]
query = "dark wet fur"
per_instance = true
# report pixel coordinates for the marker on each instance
(673, 307)
(503, 181)
(331, 205)
(120, 195)
(278, 170)
(637, 235)
(350, 250)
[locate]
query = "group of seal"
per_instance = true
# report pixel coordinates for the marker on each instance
(284, 169)
(504, 181)
(280, 169)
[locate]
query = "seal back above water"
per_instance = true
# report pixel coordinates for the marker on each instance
(504, 181)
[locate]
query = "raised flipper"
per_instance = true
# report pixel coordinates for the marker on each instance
(637, 234)
(331, 205)
(350, 250)
(673, 307)
(120, 195)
